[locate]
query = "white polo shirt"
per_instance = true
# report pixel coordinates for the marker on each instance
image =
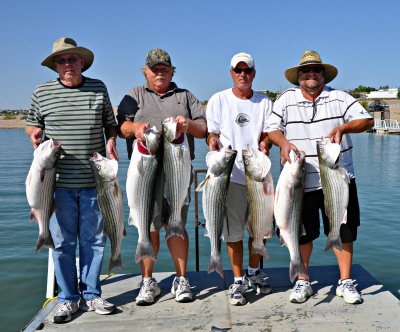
(292, 115)
(238, 122)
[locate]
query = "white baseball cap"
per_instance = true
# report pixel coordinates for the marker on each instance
(247, 58)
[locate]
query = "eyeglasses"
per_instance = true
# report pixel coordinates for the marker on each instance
(157, 70)
(246, 70)
(62, 61)
(306, 70)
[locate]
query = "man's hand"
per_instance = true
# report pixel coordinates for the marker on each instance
(285, 150)
(36, 135)
(214, 144)
(111, 148)
(264, 147)
(336, 135)
(140, 129)
(182, 124)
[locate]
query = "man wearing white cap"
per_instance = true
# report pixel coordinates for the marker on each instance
(75, 111)
(301, 116)
(237, 117)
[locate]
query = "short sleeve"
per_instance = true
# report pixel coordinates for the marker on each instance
(275, 120)
(127, 109)
(34, 116)
(213, 115)
(196, 109)
(354, 110)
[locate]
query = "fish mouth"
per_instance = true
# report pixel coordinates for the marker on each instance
(56, 145)
(248, 153)
(322, 141)
(96, 157)
(301, 155)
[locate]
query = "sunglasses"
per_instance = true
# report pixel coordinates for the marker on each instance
(157, 70)
(62, 61)
(316, 70)
(246, 70)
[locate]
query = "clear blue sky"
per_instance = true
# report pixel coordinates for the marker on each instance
(360, 38)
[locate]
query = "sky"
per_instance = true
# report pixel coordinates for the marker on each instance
(360, 38)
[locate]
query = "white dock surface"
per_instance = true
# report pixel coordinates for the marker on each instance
(322, 312)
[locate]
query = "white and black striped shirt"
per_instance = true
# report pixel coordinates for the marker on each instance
(292, 115)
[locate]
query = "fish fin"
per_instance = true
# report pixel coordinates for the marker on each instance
(266, 187)
(259, 250)
(282, 241)
(216, 265)
(145, 250)
(115, 189)
(331, 243)
(124, 233)
(131, 220)
(33, 217)
(302, 229)
(200, 187)
(156, 211)
(187, 199)
(41, 174)
(115, 262)
(28, 179)
(54, 208)
(297, 269)
(44, 241)
(344, 219)
(175, 229)
(206, 231)
(291, 192)
(348, 177)
(139, 166)
(106, 231)
(166, 193)
(248, 226)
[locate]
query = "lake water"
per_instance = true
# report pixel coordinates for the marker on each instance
(23, 272)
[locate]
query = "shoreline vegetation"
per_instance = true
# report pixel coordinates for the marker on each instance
(19, 121)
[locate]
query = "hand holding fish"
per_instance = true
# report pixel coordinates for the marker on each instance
(36, 136)
(182, 124)
(111, 148)
(286, 147)
(140, 129)
(336, 135)
(214, 143)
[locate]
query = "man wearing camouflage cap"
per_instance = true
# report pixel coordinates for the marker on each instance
(144, 107)
(301, 116)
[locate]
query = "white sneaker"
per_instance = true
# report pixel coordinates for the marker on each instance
(347, 290)
(301, 291)
(99, 305)
(237, 293)
(181, 290)
(149, 290)
(64, 312)
(257, 282)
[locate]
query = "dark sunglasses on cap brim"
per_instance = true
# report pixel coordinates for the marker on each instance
(306, 70)
(240, 70)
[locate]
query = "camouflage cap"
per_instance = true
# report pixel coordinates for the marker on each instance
(157, 56)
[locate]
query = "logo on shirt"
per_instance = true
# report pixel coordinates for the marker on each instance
(242, 120)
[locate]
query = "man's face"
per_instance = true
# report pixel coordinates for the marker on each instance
(311, 81)
(159, 76)
(71, 68)
(242, 80)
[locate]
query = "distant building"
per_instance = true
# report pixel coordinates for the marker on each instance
(385, 94)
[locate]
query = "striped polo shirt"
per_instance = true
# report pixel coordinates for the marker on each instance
(75, 117)
(292, 115)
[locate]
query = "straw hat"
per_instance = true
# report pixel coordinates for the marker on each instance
(68, 45)
(310, 58)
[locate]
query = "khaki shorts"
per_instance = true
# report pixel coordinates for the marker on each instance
(237, 210)
(161, 219)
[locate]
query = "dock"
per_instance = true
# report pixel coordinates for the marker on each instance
(211, 310)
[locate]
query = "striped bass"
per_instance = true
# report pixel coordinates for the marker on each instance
(140, 187)
(111, 204)
(177, 169)
(335, 186)
(260, 188)
(215, 192)
(40, 186)
(288, 208)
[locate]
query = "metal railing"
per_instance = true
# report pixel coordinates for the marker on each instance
(386, 124)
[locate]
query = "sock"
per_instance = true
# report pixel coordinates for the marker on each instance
(239, 279)
(251, 271)
(147, 279)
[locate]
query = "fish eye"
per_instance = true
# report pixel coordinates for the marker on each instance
(98, 166)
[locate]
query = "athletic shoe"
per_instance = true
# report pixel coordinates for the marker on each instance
(257, 282)
(301, 291)
(237, 293)
(100, 306)
(64, 312)
(347, 290)
(149, 290)
(181, 290)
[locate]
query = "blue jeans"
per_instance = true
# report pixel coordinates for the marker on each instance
(77, 217)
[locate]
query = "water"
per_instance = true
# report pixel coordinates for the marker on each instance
(23, 272)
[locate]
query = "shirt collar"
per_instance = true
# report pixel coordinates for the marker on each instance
(172, 88)
(300, 98)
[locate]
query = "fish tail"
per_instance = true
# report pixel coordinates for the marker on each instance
(175, 228)
(44, 241)
(259, 250)
(115, 262)
(297, 268)
(145, 250)
(337, 243)
(216, 265)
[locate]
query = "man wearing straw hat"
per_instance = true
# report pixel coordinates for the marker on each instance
(237, 117)
(301, 116)
(75, 111)
(141, 108)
